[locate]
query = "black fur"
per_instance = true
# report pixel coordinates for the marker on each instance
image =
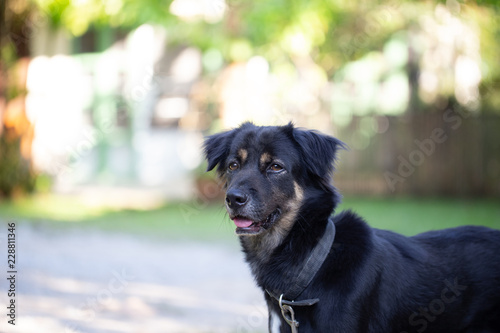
(372, 280)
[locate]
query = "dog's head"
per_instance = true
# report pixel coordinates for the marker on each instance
(269, 172)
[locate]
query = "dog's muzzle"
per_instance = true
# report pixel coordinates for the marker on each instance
(247, 226)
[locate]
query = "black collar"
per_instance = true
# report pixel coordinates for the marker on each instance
(308, 271)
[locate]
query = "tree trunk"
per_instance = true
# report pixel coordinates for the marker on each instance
(16, 132)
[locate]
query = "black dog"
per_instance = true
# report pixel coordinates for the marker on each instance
(324, 273)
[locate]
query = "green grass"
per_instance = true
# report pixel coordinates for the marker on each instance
(48, 207)
(410, 216)
(182, 220)
(193, 219)
(201, 221)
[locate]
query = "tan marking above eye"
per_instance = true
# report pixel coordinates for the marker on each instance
(265, 159)
(243, 154)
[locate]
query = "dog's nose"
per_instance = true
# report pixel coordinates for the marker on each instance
(236, 198)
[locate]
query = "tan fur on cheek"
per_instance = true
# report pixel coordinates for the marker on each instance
(264, 244)
(293, 208)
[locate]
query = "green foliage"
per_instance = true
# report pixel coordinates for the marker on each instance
(79, 16)
(330, 33)
(55, 10)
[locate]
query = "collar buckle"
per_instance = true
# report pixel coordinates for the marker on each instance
(289, 315)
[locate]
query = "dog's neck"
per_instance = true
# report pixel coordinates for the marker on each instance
(295, 282)
(267, 257)
(281, 251)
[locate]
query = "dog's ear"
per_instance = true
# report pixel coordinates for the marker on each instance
(319, 151)
(216, 148)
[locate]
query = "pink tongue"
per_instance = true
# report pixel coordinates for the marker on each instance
(241, 223)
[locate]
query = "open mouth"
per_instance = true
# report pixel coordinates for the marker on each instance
(245, 226)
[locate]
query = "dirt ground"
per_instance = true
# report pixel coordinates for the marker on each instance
(76, 280)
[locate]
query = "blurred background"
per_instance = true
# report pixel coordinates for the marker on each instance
(104, 105)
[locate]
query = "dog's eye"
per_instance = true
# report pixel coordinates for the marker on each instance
(275, 167)
(233, 166)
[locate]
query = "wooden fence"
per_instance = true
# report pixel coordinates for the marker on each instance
(444, 153)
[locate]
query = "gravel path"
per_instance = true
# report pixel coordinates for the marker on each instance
(81, 280)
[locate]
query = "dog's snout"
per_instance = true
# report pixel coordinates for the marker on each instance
(236, 198)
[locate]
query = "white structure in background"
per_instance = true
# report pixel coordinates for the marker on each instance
(245, 93)
(148, 159)
(59, 91)
(164, 156)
